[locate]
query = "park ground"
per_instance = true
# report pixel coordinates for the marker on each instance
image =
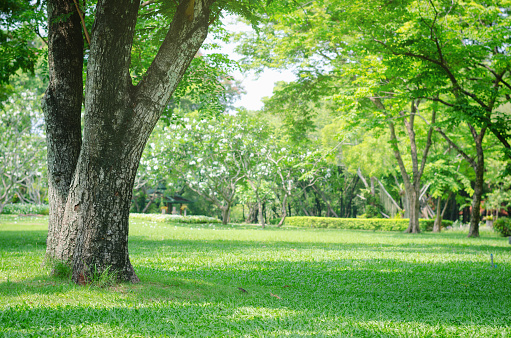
(241, 281)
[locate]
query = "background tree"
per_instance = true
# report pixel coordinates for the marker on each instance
(22, 148)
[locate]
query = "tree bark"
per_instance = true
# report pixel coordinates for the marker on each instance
(62, 112)
(118, 121)
(478, 184)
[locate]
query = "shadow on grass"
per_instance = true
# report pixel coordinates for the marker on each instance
(22, 240)
(475, 246)
(294, 298)
(287, 295)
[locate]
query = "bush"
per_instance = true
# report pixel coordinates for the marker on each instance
(385, 224)
(25, 208)
(174, 218)
(372, 211)
(427, 224)
(503, 225)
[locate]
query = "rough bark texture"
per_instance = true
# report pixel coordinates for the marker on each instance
(118, 121)
(62, 108)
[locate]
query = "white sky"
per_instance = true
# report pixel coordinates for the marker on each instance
(256, 87)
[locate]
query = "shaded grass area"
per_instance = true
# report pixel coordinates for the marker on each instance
(298, 283)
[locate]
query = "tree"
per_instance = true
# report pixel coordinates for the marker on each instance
(91, 178)
(437, 48)
(22, 149)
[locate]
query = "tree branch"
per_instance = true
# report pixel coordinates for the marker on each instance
(83, 21)
(469, 159)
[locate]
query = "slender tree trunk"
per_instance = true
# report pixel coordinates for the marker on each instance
(413, 210)
(226, 213)
(260, 211)
(62, 111)
(151, 199)
(478, 191)
(440, 214)
(438, 219)
(412, 184)
(329, 209)
(284, 211)
(478, 165)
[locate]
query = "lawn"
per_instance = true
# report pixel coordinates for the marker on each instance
(294, 283)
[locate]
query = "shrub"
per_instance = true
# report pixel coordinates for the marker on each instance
(25, 208)
(503, 225)
(385, 224)
(174, 218)
(427, 224)
(372, 211)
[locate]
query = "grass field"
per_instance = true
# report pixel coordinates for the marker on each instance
(299, 283)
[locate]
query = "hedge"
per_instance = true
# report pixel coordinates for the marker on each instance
(25, 209)
(384, 224)
(165, 218)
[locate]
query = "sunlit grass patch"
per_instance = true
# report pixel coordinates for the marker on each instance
(218, 281)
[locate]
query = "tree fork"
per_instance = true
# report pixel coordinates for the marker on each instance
(93, 229)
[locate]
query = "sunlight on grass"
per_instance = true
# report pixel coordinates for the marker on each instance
(214, 280)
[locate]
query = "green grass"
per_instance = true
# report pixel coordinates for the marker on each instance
(300, 283)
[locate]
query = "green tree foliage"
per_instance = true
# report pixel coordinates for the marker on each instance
(20, 23)
(22, 146)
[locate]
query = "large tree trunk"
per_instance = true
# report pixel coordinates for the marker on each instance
(62, 111)
(118, 121)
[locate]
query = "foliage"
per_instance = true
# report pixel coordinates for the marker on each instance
(164, 218)
(371, 211)
(22, 150)
(25, 209)
(20, 22)
(427, 224)
(190, 279)
(500, 182)
(383, 224)
(503, 225)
